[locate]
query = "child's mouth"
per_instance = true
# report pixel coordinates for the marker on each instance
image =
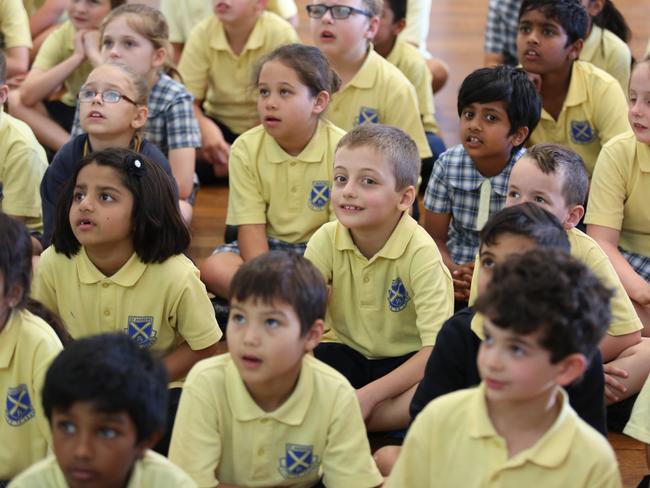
(251, 362)
(327, 36)
(473, 141)
(350, 208)
(531, 54)
(95, 115)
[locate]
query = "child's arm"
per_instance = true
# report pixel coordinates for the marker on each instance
(180, 360)
(17, 60)
(46, 16)
(214, 147)
(252, 240)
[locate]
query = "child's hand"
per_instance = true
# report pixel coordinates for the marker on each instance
(462, 277)
(614, 388)
(215, 148)
(366, 402)
(91, 46)
(79, 46)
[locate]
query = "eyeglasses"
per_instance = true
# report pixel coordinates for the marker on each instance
(338, 12)
(108, 96)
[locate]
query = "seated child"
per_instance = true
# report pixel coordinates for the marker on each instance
(544, 315)
(617, 215)
(28, 344)
(22, 164)
(105, 399)
(373, 90)
(583, 106)
(639, 425)
(15, 37)
(293, 148)
(498, 108)
(390, 290)
(113, 109)
(62, 60)
(410, 61)
(268, 413)
(229, 42)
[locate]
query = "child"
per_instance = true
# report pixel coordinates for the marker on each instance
(268, 413)
(617, 217)
(583, 107)
(22, 164)
(113, 109)
(62, 59)
(639, 425)
(500, 46)
(138, 36)
(544, 314)
(409, 60)
(216, 67)
(498, 108)
(373, 90)
(15, 38)
(390, 290)
(28, 346)
(104, 398)
(280, 171)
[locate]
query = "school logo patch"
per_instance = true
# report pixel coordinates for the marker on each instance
(398, 297)
(298, 461)
(368, 115)
(18, 406)
(581, 132)
(141, 330)
(319, 195)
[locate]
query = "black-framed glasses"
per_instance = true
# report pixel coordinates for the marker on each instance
(339, 12)
(107, 96)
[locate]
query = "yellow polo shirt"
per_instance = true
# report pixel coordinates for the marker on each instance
(410, 61)
(639, 424)
(213, 73)
(587, 251)
(159, 305)
(390, 305)
(57, 47)
(609, 52)
(594, 111)
(290, 194)
(222, 436)
(153, 470)
(22, 165)
(379, 93)
(284, 8)
(28, 346)
(618, 198)
(14, 25)
(453, 442)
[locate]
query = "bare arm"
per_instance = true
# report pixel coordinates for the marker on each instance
(215, 148)
(17, 60)
(492, 59)
(46, 16)
(180, 360)
(252, 240)
(182, 162)
(612, 346)
(437, 225)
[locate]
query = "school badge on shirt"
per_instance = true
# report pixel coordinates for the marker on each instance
(319, 195)
(18, 406)
(140, 329)
(398, 297)
(581, 132)
(368, 115)
(298, 460)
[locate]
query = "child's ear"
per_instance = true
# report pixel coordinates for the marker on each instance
(595, 7)
(574, 216)
(313, 335)
(4, 93)
(575, 49)
(140, 117)
(260, 5)
(399, 26)
(519, 136)
(320, 102)
(373, 27)
(571, 368)
(407, 197)
(159, 57)
(148, 443)
(14, 295)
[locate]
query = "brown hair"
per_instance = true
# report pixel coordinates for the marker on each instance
(374, 6)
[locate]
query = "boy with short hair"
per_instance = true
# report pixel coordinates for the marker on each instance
(583, 106)
(390, 290)
(544, 315)
(105, 400)
(372, 89)
(498, 108)
(268, 413)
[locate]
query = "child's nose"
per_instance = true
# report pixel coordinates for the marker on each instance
(84, 447)
(251, 336)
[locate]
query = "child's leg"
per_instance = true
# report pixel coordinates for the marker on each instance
(385, 458)
(439, 73)
(218, 270)
(391, 414)
(635, 360)
(47, 131)
(643, 311)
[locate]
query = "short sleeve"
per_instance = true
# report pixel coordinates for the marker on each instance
(437, 196)
(610, 107)
(43, 288)
(194, 65)
(414, 458)
(406, 115)
(21, 178)
(320, 251)
(182, 126)
(246, 204)
(607, 193)
(14, 24)
(52, 50)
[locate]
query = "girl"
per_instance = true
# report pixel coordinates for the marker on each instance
(280, 171)
(28, 346)
(137, 35)
(113, 110)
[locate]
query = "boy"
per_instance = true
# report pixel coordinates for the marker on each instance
(498, 108)
(268, 413)
(390, 291)
(584, 107)
(217, 66)
(410, 61)
(372, 89)
(105, 400)
(544, 314)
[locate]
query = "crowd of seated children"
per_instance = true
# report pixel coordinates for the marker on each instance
(15, 37)
(544, 314)
(498, 109)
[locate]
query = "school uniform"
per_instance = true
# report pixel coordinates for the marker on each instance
(607, 51)
(14, 25)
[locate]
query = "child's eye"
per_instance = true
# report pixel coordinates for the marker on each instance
(66, 427)
(77, 196)
(107, 432)
(284, 92)
(548, 32)
(513, 194)
(524, 29)
(237, 318)
(487, 263)
(107, 42)
(367, 181)
(339, 179)
(540, 199)
(488, 341)
(105, 197)
(491, 118)
(468, 115)
(129, 43)
(264, 92)
(517, 350)
(272, 323)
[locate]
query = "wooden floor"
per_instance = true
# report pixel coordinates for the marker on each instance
(456, 37)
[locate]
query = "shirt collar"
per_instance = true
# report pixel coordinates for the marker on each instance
(312, 153)
(219, 41)
(367, 75)
(462, 173)
(577, 93)
(9, 338)
(127, 276)
(643, 156)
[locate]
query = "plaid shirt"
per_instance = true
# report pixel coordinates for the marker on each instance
(501, 29)
(171, 123)
(455, 188)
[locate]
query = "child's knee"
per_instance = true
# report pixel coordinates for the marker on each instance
(385, 458)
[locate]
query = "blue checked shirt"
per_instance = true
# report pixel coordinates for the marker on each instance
(171, 123)
(455, 188)
(501, 29)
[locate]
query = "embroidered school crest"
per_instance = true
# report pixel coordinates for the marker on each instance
(581, 132)
(368, 115)
(141, 330)
(18, 406)
(398, 297)
(298, 461)
(319, 195)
